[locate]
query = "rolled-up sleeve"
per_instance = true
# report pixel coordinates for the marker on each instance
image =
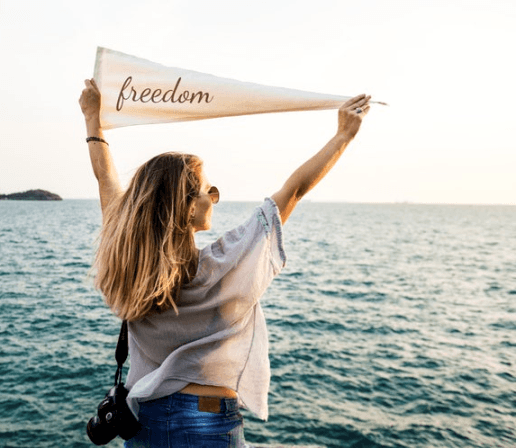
(270, 218)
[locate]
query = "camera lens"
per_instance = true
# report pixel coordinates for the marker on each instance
(99, 433)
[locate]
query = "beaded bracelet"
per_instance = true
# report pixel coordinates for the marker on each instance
(96, 139)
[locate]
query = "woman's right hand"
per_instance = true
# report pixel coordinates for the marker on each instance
(351, 114)
(308, 175)
(90, 100)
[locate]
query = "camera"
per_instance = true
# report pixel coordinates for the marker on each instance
(114, 418)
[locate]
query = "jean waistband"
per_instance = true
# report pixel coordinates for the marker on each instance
(195, 402)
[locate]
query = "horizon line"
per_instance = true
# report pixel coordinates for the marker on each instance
(311, 201)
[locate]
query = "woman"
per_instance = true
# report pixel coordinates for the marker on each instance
(197, 335)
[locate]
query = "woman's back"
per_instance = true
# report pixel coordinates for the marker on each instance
(219, 336)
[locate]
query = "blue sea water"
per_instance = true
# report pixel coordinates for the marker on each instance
(391, 326)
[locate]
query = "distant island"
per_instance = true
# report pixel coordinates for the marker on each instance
(31, 195)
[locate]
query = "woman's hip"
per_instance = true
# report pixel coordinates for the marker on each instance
(187, 421)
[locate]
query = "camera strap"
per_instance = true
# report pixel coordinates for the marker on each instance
(121, 352)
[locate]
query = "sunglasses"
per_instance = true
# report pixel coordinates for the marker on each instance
(214, 194)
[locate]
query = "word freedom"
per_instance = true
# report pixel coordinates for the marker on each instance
(158, 96)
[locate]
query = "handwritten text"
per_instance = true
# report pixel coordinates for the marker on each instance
(128, 92)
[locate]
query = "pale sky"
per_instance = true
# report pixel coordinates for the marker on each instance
(446, 67)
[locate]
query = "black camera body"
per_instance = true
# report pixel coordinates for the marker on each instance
(114, 418)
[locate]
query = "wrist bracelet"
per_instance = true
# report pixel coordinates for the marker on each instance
(96, 139)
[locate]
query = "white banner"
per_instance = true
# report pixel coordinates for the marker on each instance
(136, 91)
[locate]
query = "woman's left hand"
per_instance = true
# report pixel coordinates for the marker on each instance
(90, 100)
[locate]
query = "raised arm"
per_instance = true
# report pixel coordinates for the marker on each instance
(308, 175)
(101, 160)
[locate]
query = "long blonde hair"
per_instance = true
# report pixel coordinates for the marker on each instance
(147, 249)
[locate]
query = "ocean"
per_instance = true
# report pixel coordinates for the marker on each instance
(392, 325)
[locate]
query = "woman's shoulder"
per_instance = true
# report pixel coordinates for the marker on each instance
(260, 222)
(235, 243)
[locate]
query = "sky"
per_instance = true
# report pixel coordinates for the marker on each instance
(446, 68)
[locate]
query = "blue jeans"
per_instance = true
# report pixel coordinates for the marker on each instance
(176, 422)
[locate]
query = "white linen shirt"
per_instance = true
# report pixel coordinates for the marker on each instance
(219, 337)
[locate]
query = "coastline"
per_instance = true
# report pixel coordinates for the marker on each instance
(31, 195)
